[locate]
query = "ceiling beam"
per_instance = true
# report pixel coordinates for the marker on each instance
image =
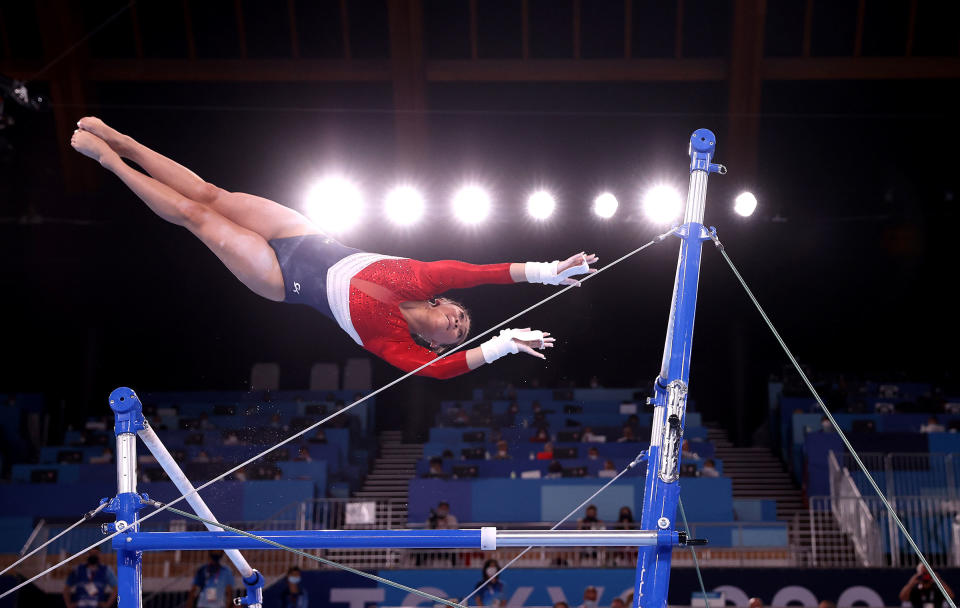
(238, 70)
(564, 70)
(860, 68)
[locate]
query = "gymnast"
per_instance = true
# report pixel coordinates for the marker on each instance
(388, 305)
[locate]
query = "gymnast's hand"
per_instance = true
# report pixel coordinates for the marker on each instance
(580, 264)
(527, 340)
(513, 341)
(557, 272)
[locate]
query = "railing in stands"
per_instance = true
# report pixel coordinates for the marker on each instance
(933, 522)
(853, 515)
(908, 474)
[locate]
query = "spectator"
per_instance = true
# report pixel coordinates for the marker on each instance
(508, 418)
(755, 602)
(276, 422)
(231, 439)
(319, 437)
(541, 436)
(462, 418)
(589, 520)
(826, 604)
(436, 469)
(625, 519)
(502, 451)
(590, 437)
(595, 382)
(204, 423)
(303, 455)
(447, 453)
(589, 597)
(104, 458)
(709, 469)
(555, 470)
(922, 591)
(593, 454)
(617, 602)
(90, 585)
(628, 435)
(561, 604)
(441, 518)
(608, 470)
(156, 423)
(293, 595)
(201, 458)
(212, 585)
(825, 426)
(687, 453)
(547, 452)
(494, 592)
(932, 426)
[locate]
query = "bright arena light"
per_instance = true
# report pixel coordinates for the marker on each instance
(404, 205)
(605, 205)
(334, 204)
(745, 204)
(471, 204)
(540, 205)
(662, 204)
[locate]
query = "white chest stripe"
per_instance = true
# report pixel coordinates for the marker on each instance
(338, 287)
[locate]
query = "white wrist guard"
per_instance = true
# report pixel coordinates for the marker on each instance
(499, 346)
(504, 344)
(546, 272)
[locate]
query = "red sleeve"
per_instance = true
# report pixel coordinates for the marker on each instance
(408, 356)
(438, 277)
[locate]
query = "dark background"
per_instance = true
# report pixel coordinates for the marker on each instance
(851, 250)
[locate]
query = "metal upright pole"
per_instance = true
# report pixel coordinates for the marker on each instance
(128, 419)
(662, 489)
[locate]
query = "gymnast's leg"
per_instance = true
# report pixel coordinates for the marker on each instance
(267, 218)
(244, 252)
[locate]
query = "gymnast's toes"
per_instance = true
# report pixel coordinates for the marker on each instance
(90, 145)
(94, 125)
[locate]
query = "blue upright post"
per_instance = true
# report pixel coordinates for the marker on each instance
(662, 489)
(128, 419)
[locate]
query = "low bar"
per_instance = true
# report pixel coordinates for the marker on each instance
(487, 539)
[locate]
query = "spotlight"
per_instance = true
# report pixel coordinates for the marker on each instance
(540, 205)
(605, 205)
(334, 204)
(745, 204)
(471, 204)
(404, 205)
(662, 204)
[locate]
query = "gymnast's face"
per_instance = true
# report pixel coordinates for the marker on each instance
(450, 323)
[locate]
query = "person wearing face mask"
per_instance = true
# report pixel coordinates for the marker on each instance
(494, 592)
(442, 518)
(503, 451)
(90, 585)
(212, 585)
(293, 595)
(589, 597)
(922, 591)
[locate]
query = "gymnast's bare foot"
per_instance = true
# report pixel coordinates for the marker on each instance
(120, 143)
(93, 147)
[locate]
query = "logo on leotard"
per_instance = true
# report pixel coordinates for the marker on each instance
(296, 287)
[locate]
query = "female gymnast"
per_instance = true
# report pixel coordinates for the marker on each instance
(388, 305)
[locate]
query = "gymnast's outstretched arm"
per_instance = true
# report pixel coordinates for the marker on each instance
(439, 277)
(409, 356)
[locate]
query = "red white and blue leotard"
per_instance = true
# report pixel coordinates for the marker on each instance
(363, 291)
(376, 291)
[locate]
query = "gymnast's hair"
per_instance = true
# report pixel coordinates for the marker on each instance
(442, 348)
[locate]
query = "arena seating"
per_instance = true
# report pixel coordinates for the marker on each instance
(207, 432)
